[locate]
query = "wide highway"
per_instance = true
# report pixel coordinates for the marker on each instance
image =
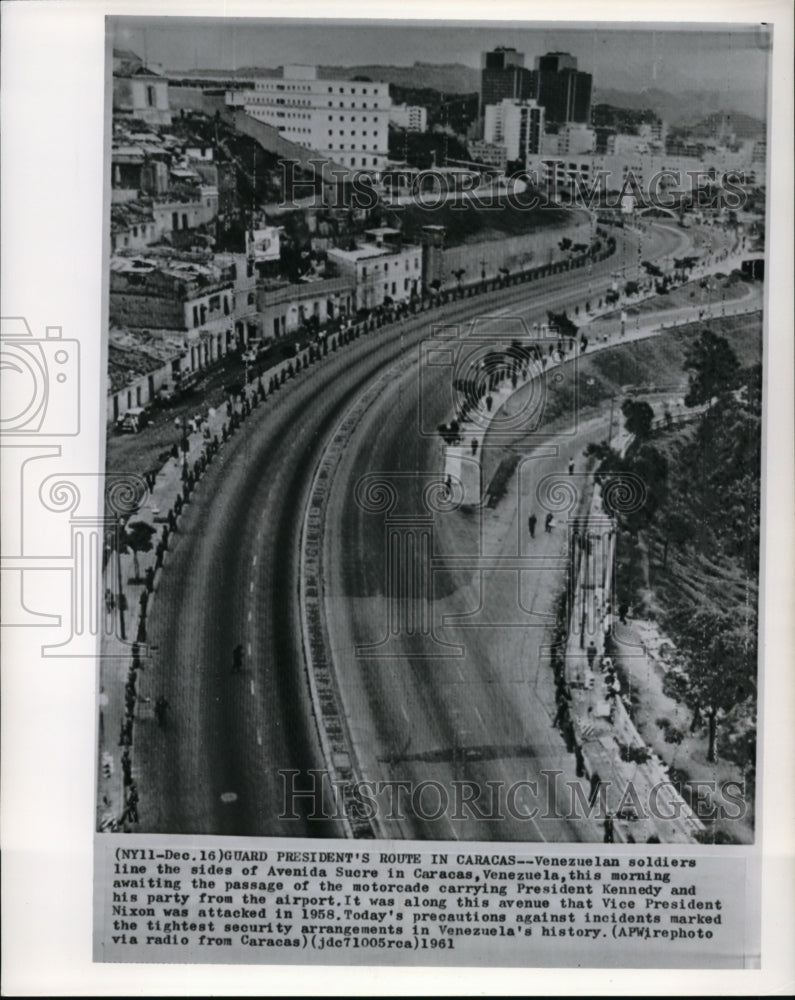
(232, 578)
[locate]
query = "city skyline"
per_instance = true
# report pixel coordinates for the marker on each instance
(731, 62)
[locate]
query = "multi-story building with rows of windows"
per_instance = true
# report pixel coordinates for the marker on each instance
(383, 269)
(346, 121)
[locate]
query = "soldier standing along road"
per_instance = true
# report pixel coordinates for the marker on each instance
(548, 523)
(161, 711)
(590, 652)
(531, 524)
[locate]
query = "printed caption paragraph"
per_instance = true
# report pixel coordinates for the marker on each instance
(397, 907)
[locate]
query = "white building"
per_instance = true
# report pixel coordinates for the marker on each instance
(652, 170)
(516, 125)
(412, 117)
(139, 91)
(575, 138)
(381, 269)
(488, 153)
(346, 121)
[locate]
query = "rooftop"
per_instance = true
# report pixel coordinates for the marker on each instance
(364, 252)
(184, 266)
(131, 355)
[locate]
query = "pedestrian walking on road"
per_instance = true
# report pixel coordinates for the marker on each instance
(622, 613)
(531, 524)
(590, 653)
(548, 523)
(161, 711)
(571, 467)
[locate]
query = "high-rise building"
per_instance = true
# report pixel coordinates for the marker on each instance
(516, 125)
(561, 89)
(503, 77)
(346, 121)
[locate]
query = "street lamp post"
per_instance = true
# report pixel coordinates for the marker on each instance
(121, 598)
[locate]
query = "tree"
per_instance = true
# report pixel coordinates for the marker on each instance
(712, 366)
(137, 538)
(638, 417)
(650, 465)
(450, 433)
(560, 321)
(721, 650)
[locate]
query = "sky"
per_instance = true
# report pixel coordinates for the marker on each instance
(733, 60)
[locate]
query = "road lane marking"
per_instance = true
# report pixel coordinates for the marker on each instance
(252, 687)
(254, 561)
(251, 587)
(259, 738)
(248, 647)
(249, 616)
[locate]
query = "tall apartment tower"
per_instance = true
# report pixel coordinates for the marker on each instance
(517, 126)
(561, 89)
(503, 77)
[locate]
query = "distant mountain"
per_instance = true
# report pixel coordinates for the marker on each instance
(725, 122)
(450, 78)
(675, 109)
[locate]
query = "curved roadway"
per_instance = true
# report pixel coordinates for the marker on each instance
(232, 578)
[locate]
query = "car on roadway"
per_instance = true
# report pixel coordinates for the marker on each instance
(133, 420)
(167, 394)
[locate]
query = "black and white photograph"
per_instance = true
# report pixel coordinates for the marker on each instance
(397, 446)
(434, 406)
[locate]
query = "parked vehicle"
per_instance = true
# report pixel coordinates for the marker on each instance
(167, 394)
(133, 420)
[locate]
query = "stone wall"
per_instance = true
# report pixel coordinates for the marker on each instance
(515, 253)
